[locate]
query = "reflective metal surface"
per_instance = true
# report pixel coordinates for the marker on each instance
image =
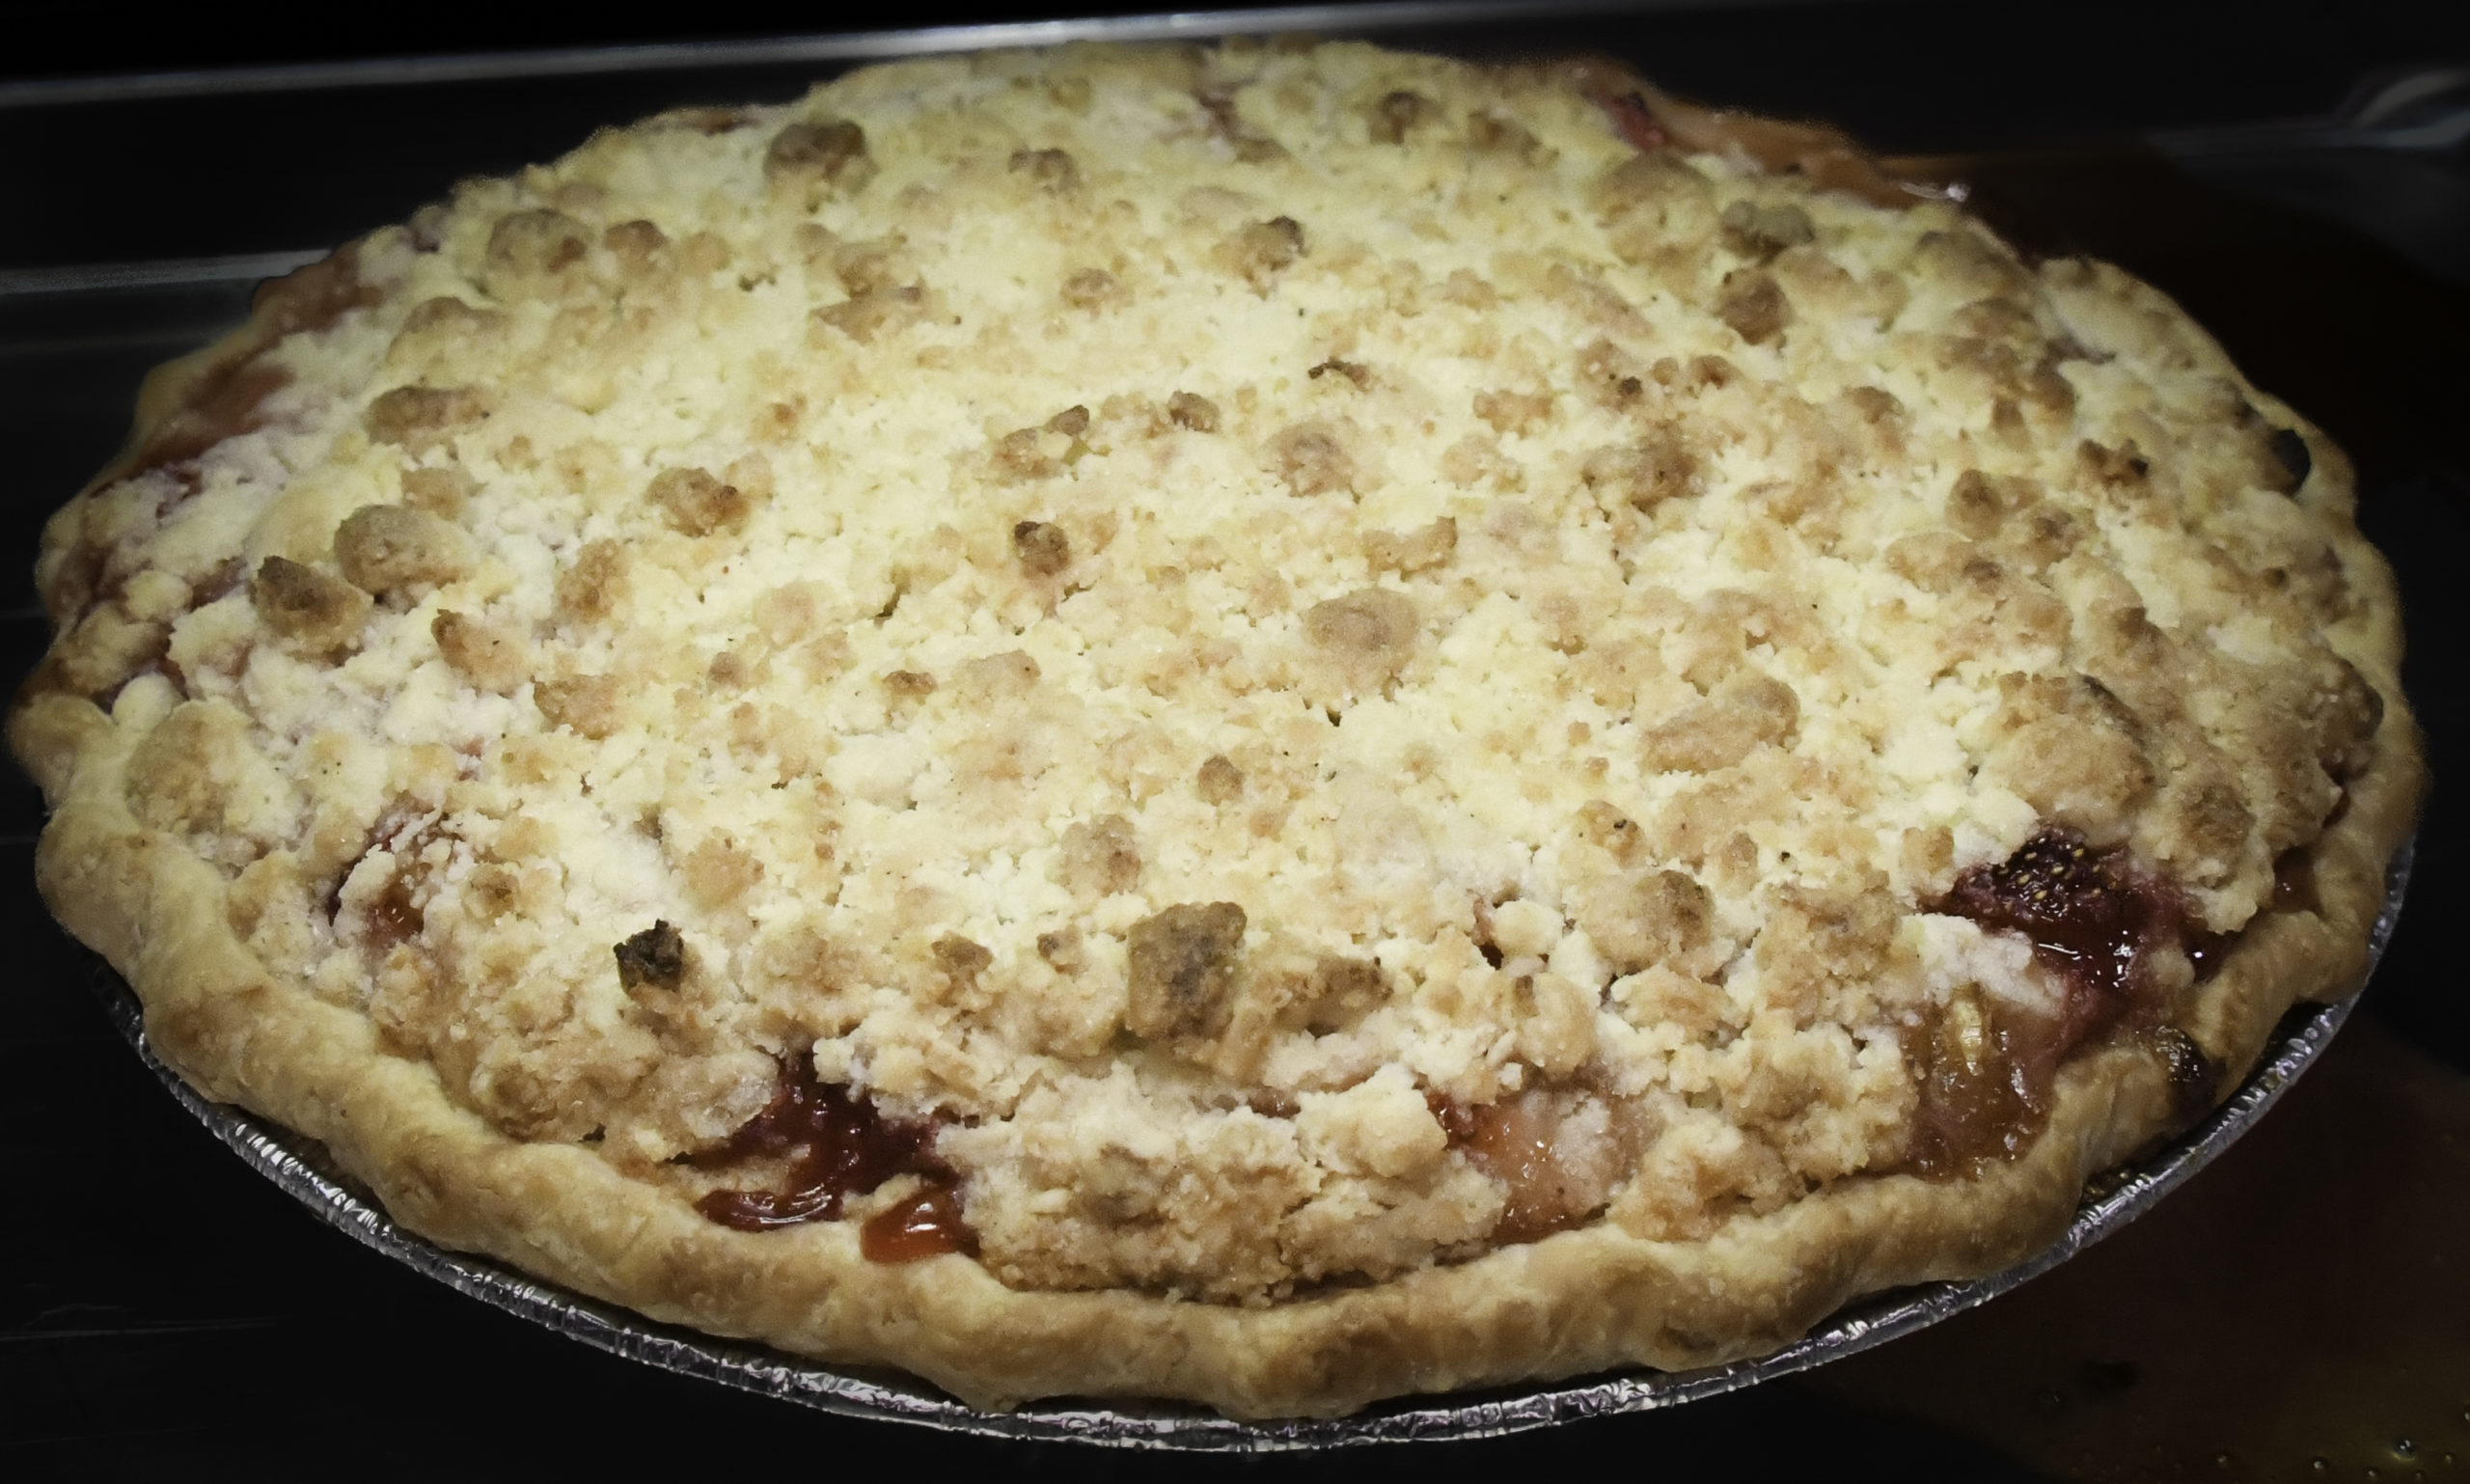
(301, 1167)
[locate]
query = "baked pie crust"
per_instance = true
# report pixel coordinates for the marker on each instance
(1275, 725)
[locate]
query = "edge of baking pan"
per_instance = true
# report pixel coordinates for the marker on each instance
(844, 47)
(301, 1167)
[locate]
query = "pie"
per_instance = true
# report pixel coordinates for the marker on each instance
(1273, 724)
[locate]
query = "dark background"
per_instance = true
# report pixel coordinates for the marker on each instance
(164, 1311)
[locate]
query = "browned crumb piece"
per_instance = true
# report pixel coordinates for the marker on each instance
(1271, 1103)
(864, 317)
(718, 871)
(539, 241)
(1220, 781)
(1493, 134)
(635, 244)
(1644, 475)
(385, 547)
(996, 677)
(1375, 627)
(1043, 549)
(1061, 950)
(445, 312)
(1615, 377)
(909, 685)
(1100, 857)
(489, 655)
(1760, 232)
(1978, 504)
(1753, 304)
(1250, 145)
(587, 703)
(1649, 919)
(1182, 963)
(1414, 551)
(1043, 452)
(1092, 288)
(438, 492)
(1720, 729)
(1343, 991)
(419, 418)
(1052, 169)
(1194, 411)
(2118, 468)
(1309, 458)
(697, 503)
(827, 158)
(1260, 251)
(1876, 406)
(300, 602)
(591, 590)
(1611, 829)
(1648, 181)
(655, 957)
(961, 960)
(1656, 210)
(871, 267)
(1399, 113)
(1353, 371)
(1513, 412)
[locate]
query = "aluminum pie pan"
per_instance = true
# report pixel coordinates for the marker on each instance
(302, 1169)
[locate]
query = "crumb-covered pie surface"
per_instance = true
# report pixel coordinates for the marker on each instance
(1274, 726)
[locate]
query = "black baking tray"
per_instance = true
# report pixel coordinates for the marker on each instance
(165, 1306)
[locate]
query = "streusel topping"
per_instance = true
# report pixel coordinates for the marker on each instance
(1296, 663)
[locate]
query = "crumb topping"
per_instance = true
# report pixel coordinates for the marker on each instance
(1291, 663)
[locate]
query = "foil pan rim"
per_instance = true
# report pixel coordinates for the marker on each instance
(301, 1169)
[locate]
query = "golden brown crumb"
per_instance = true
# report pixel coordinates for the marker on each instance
(491, 657)
(1182, 964)
(438, 492)
(1092, 288)
(594, 588)
(587, 704)
(529, 243)
(1399, 113)
(819, 159)
(1720, 729)
(1100, 857)
(1190, 409)
(1220, 781)
(1753, 305)
(697, 503)
(1263, 250)
(1312, 460)
(301, 602)
(1416, 551)
(1052, 169)
(385, 547)
(1042, 548)
(418, 419)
